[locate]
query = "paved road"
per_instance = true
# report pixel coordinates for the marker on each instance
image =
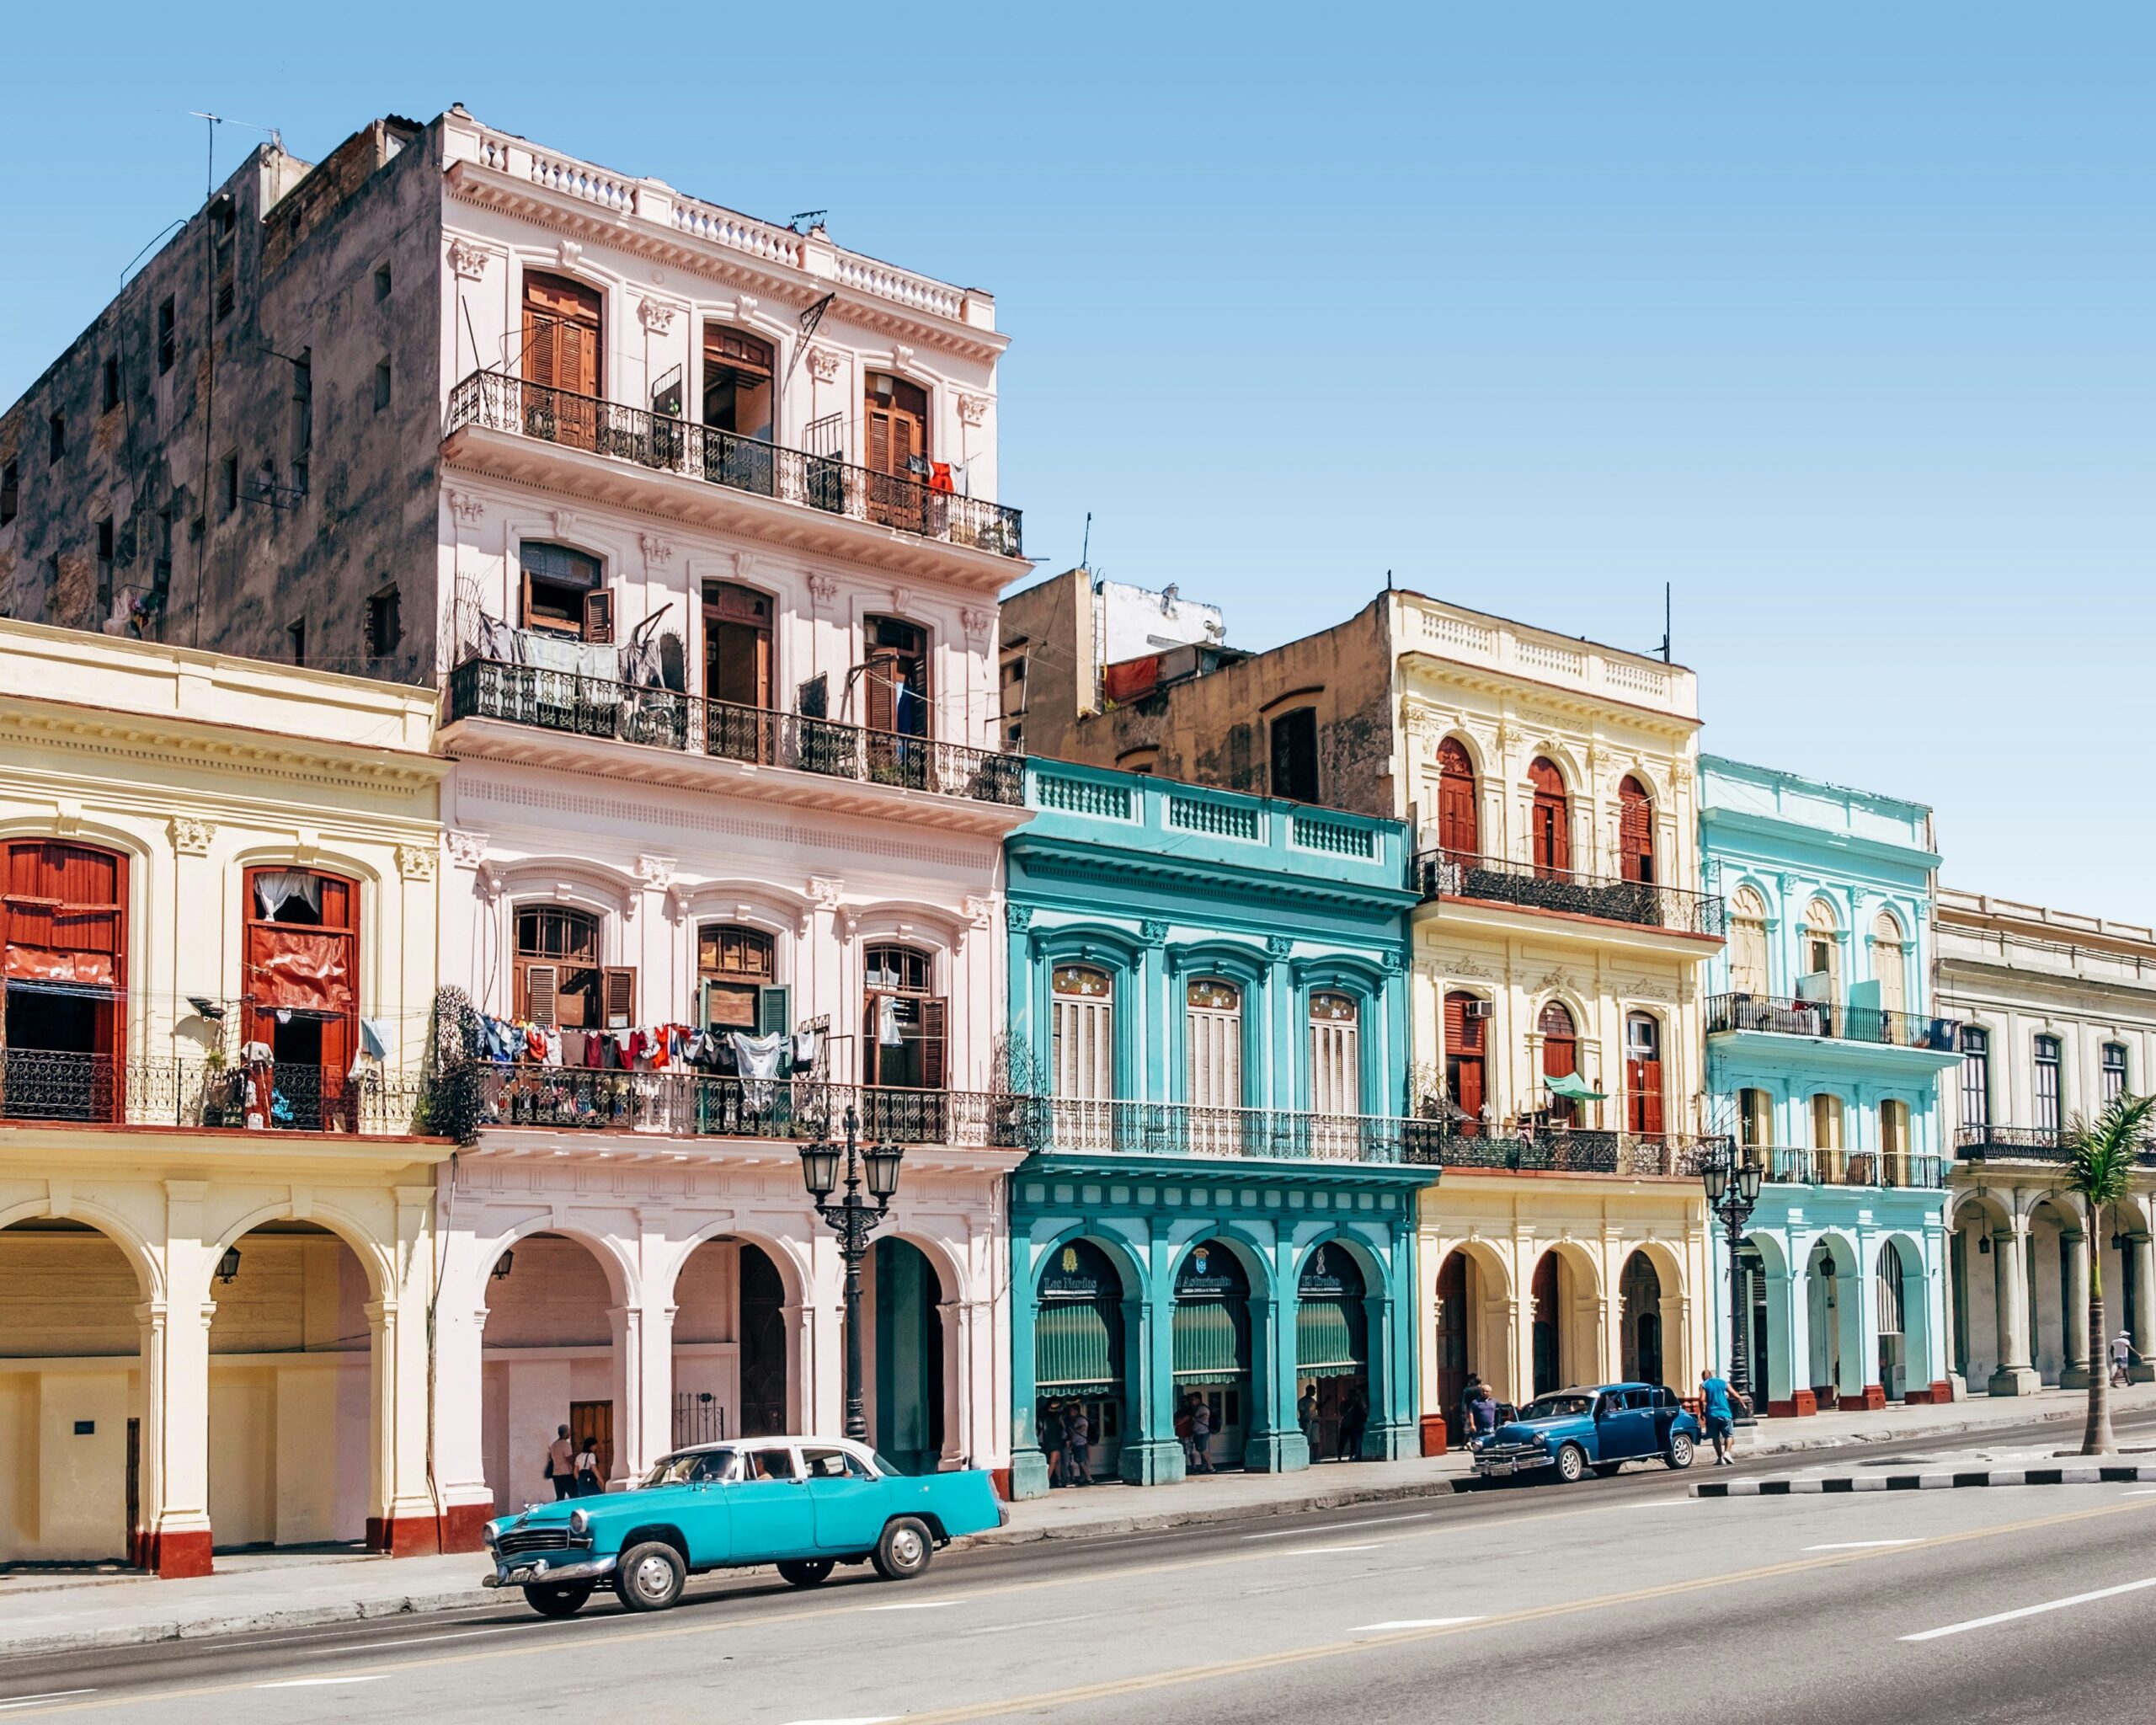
(1615, 1600)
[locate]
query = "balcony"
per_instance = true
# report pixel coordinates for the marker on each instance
(1888, 1170)
(1978, 1145)
(95, 1090)
(1168, 1129)
(1832, 1021)
(809, 488)
(793, 1110)
(1500, 881)
(581, 707)
(1632, 1156)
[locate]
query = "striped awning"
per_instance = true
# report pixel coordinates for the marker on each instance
(1210, 1338)
(1074, 1348)
(1329, 1339)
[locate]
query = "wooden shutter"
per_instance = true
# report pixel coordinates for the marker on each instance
(537, 988)
(618, 995)
(1634, 831)
(1643, 1078)
(935, 1017)
(599, 616)
(882, 676)
(774, 1011)
(1552, 818)
(1458, 820)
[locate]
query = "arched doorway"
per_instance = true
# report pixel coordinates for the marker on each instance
(1826, 1316)
(729, 1345)
(901, 1293)
(1560, 1062)
(1078, 1355)
(549, 1361)
(1758, 1287)
(72, 1459)
(302, 976)
(1551, 821)
(1212, 1351)
(1549, 1334)
(291, 1391)
(1891, 1300)
(2057, 1277)
(1332, 1356)
(1459, 823)
(1640, 1322)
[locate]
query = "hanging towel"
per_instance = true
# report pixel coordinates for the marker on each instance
(887, 1023)
(758, 1058)
(808, 1047)
(374, 1038)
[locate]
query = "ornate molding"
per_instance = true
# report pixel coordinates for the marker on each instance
(823, 589)
(416, 862)
(468, 850)
(1279, 946)
(978, 912)
(564, 521)
(655, 871)
(744, 305)
(823, 363)
(826, 890)
(191, 835)
(902, 356)
(658, 553)
(657, 316)
(466, 508)
(572, 253)
(901, 599)
(973, 408)
(467, 260)
(1153, 932)
(976, 624)
(1018, 917)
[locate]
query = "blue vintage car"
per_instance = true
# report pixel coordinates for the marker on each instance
(806, 1504)
(1570, 1431)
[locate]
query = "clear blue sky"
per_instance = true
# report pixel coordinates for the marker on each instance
(1841, 318)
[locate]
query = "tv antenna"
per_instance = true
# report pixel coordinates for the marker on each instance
(809, 320)
(1665, 623)
(802, 221)
(1085, 549)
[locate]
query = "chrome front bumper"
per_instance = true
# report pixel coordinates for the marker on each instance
(542, 1571)
(1502, 1461)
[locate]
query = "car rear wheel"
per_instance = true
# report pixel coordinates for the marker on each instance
(564, 1598)
(650, 1576)
(1571, 1464)
(904, 1551)
(1680, 1450)
(805, 1572)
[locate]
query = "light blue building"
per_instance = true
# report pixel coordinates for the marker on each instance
(1209, 991)
(1823, 1058)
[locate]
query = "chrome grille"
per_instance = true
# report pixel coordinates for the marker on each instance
(533, 1538)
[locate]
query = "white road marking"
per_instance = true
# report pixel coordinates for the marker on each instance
(417, 1641)
(2101, 1593)
(864, 1719)
(913, 1605)
(1321, 1550)
(324, 1682)
(1859, 1544)
(1412, 1623)
(1035, 1623)
(2145, 1492)
(1289, 1532)
(30, 1701)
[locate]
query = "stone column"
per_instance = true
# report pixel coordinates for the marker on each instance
(2073, 1296)
(2014, 1376)
(142, 1537)
(629, 1458)
(2141, 1272)
(181, 1540)
(1028, 1461)
(954, 1324)
(1271, 1445)
(657, 1422)
(459, 1422)
(1152, 1454)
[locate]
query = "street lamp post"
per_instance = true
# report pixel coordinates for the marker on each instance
(1732, 1200)
(854, 1220)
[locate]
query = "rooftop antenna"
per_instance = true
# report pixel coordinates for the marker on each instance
(809, 321)
(1085, 551)
(806, 221)
(1665, 623)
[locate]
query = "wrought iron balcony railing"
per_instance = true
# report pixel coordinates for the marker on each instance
(687, 1105)
(660, 718)
(1831, 1020)
(1453, 875)
(1087, 1127)
(1565, 1150)
(494, 401)
(1795, 1165)
(2020, 1144)
(44, 1085)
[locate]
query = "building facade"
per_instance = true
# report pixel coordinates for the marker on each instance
(2059, 1017)
(1209, 992)
(1824, 1055)
(216, 1197)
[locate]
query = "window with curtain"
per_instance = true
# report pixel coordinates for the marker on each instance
(1976, 1076)
(2047, 1090)
(1336, 1058)
(1890, 963)
(1213, 1036)
(1082, 999)
(1748, 942)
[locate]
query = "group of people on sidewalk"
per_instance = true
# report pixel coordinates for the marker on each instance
(573, 1469)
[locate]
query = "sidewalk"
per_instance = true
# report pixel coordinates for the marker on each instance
(51, 1612)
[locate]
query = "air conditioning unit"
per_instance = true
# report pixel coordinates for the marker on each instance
(1476, 1009)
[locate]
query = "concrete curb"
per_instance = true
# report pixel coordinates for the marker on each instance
(1938, 1482)
(128, 1635)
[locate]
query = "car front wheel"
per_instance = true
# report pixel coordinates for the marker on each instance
(805, 1572)
(904, 1551)
(564, 1599)
(650, 1576)
(1680, 1451)
(1571, 1464)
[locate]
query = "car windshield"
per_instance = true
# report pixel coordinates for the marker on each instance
(888, 1468)
(1557, 1407)
(693, 1465)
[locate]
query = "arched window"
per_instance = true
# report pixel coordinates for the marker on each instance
(1636, 831)
(1551, 820)
(1082, 1006)
(1212, 1035)
(1890, 965)
(1336, 1056)
(1561, 1056)
(738, 371)
(1459, 818)
(896, 695)
(1467, 1022)
(903, 1026)
(734, 969)
(1643, 1109)
(1748, 942)
(63, 949)
(1823, 953)
(565, 593)
(738, 665)
(560, 981)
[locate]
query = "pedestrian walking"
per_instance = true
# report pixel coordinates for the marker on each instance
(1201, 1435)
(1306, 1418)
(1077, 1445)
(1482, 1410)
(1352, 1418)
(561, 1465)
(588, 1482)
(1716, 1415)
(2122, 1356)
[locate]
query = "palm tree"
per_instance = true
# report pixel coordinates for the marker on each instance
(2101, 1158)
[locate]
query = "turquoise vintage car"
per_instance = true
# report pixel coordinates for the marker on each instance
(806, 1504)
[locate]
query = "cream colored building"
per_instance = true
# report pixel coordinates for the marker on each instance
(218, 921)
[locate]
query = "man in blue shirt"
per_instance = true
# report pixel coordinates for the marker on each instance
(1717, 1414)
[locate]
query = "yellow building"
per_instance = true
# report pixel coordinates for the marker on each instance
(218, 920)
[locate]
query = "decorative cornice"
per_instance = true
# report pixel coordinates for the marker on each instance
(823, 363)
(658, 552)
(973, 408)
(467, 260)
(416, 862)
(657, 316)
(191, 834)
(467, 849)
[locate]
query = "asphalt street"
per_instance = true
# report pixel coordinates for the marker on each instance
(1619, 1599)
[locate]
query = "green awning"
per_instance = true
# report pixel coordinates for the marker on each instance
(1328, 1339)
(1073, 1347)
(1208, 1337)
(1568, 1084)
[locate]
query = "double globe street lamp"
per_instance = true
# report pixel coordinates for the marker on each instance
(854, 1221)
(1733, 1191)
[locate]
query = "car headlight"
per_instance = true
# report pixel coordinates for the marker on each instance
(578, 1521)
(490, 1534)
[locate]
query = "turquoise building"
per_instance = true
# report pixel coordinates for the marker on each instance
(1823, 1058)
(1207, 989)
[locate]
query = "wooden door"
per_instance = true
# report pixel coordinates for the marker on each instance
(302, 978)
(1460, 822)
(563, 350)
(1634, 831)
(593, 1421)
(894, 434)
(1452, 1317)
(1643, 1074)
(1560, 1055)
(1551, 819)
(1466, 1060)
(63, 947)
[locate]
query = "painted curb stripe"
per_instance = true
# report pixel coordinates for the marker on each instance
(1925, 1481)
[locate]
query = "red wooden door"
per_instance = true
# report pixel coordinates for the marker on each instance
(1459, 821)
(1636, 831)
(301, 979)
(1466, 1068)
(1561, 1054)
(563, 350)
(1643, 1110)
(1551, 820)
(63, 949)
